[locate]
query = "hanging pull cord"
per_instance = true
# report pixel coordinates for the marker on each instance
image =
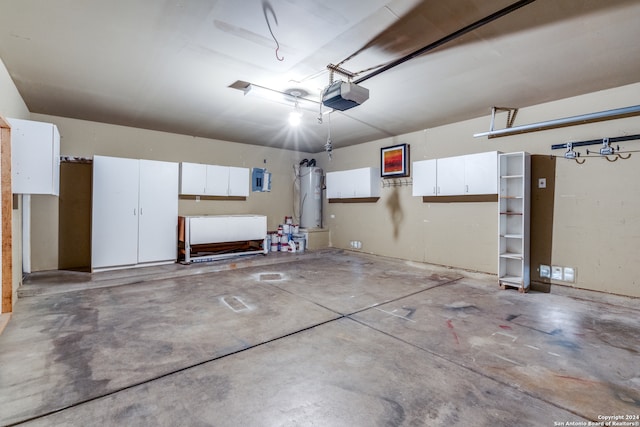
(266, 7)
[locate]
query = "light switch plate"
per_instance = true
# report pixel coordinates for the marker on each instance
(542, 182)
(556, 272)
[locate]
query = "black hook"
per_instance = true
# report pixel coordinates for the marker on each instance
(266, 7)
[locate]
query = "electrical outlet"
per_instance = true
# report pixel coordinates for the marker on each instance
(556, 272)
(542, 182)
(569, 274)
(545, 271)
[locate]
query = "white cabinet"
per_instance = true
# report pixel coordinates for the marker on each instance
(217, 182)
(238, 181)
(513, 219)
(472, 174)
(424, 178)
(334, 184)
(35, 157)
(480, 173)
(213, 180)
(193, 178)
(450, 176)
(135, 212)
(353, 183)
(158, 202)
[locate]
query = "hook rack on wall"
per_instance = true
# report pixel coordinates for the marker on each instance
(396, 182)
(606, 151)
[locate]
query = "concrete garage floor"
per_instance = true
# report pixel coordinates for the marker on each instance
(329, 338)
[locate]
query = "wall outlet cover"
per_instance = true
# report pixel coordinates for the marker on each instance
(556, 272)
(545, 271)
(542, 182)
(569, 274)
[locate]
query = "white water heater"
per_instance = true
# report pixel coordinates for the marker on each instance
(310, 197)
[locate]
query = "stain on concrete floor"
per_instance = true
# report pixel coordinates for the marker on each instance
(337, 339)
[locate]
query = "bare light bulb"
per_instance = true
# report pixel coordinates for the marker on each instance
(295, 117)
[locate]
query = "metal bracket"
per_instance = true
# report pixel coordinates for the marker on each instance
(570, 154)
(511, 116)
(606, 148)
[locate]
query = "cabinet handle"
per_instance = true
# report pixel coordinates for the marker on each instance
(140, 211)
(134, 211)
(438, 189)
(434, 190)
(466, 188)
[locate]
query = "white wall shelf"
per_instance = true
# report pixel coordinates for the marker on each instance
(514, 182)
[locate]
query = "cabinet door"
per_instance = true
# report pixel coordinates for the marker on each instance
(193, 178)
(217, 180)
(373, 181)
(158, 219)
(359, 182)
(56, 160)
(481, 173)
(114, 225)
(238, 181)
(450, 176)
(424, 178)
(334, 182)
(35, 157)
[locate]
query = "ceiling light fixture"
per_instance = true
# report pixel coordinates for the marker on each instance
(295, 117)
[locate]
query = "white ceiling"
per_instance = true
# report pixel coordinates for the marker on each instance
(168, 64)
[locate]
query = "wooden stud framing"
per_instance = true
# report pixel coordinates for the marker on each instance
(7, 207)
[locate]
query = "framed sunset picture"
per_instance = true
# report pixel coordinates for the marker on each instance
(394, 161)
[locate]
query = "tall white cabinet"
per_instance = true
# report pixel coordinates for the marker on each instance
(514, 181)
(135, 212)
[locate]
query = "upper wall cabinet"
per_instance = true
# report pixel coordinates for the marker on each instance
(450, 176)
(424, 178)
(35, 157)
(472, 174)
(481, 173)
(213, 180)
(353, 183)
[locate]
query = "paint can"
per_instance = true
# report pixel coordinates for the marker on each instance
(295, 228)
(300, 243)
(286, 228)
(275, 241)
(288, 220)
(279, 230)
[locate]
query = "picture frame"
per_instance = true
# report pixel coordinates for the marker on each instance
(394, 161)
